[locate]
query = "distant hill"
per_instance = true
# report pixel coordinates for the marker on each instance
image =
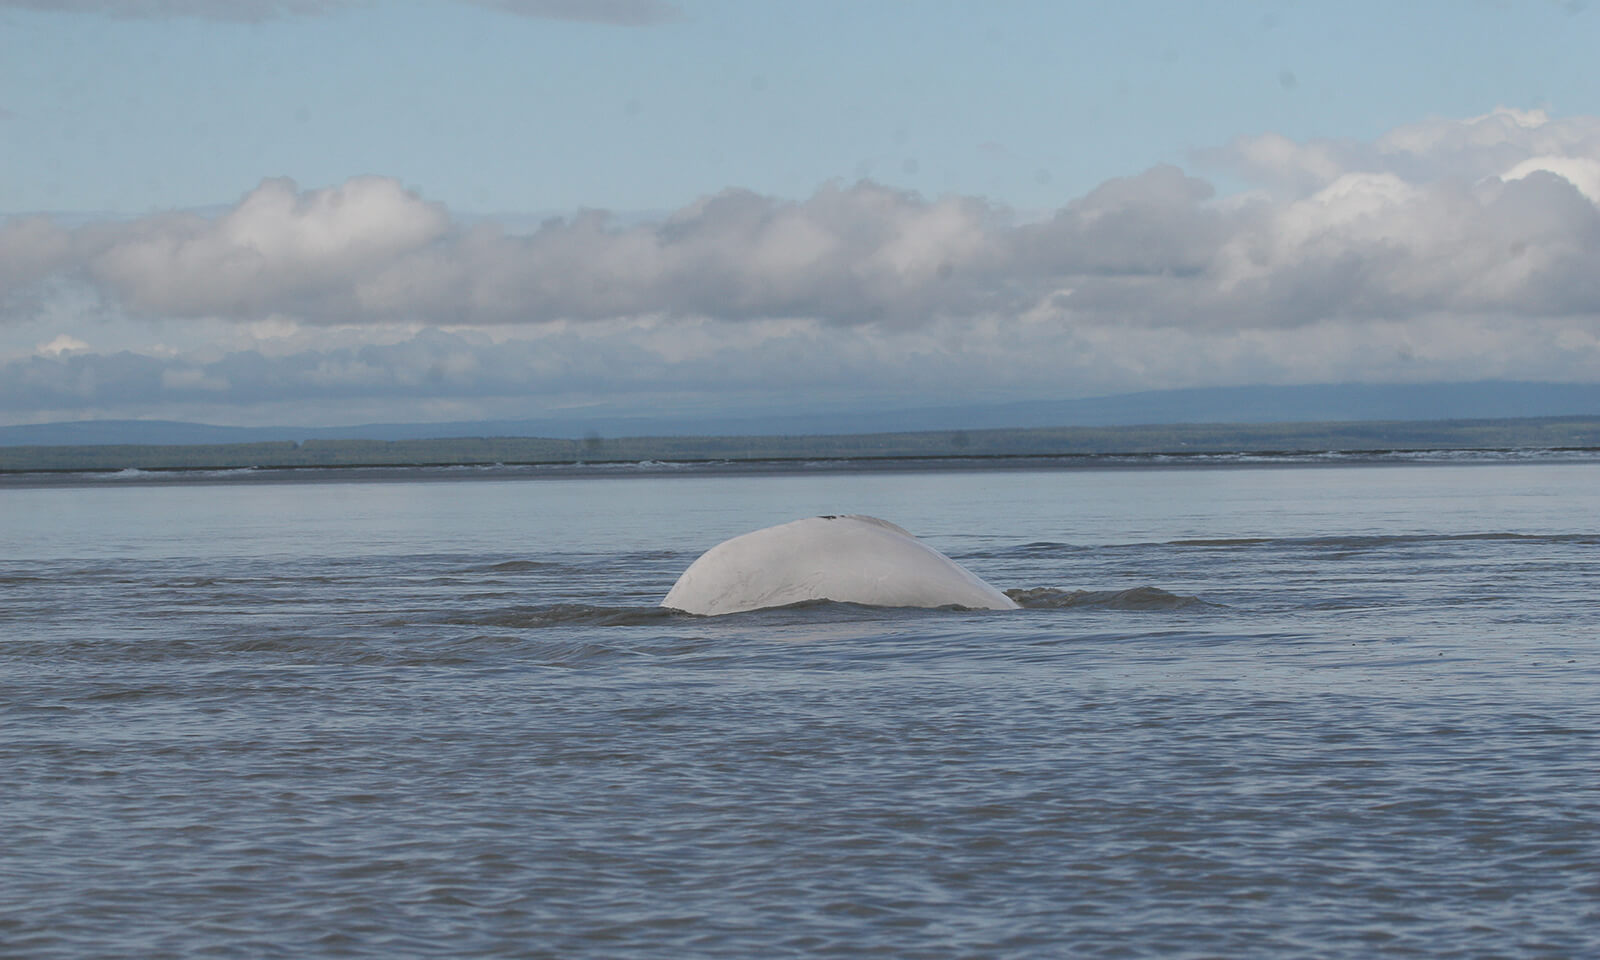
(1240, 405)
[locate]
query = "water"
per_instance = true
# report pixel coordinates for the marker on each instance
(1256, 711)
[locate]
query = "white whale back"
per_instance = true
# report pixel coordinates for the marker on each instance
(851, 559)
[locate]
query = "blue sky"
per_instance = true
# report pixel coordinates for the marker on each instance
(333, 211)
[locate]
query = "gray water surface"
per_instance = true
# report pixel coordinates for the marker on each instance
(1253, 712)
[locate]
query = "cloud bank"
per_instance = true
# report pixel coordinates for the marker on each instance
(1156, 248)
(1444, 250)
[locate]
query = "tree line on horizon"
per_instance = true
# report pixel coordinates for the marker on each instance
(1177, 439)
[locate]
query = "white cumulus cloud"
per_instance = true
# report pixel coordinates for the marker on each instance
(64, 343)
(1581, 172)
(1443, 250)
(278, 251)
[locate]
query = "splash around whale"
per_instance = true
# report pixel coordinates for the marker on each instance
(849, 559)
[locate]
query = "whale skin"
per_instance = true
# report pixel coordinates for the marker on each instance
(850, 559)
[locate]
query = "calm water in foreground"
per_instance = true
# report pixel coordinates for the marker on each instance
(1269, 711)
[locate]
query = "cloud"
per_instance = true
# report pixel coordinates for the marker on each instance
(278, 250)
(1429, 151)
(1154, 249)
(618, 12)
(1444, 250)
(1581, 172)
(32, 249)
(63, 343)
(1371, 245)
(645, 367)
(368, 250)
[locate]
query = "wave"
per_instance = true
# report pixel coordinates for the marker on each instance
(1387, 540)
(1036, 598)
(1134, 598)
(1047, 549)
(519, 566)
(563, 614)
(135, 473)
(782, 465)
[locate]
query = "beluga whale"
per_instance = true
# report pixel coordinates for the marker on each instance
(849, 559)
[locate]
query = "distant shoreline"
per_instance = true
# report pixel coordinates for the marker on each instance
(954, 449)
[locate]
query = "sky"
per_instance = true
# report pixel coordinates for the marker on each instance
(330, 211)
